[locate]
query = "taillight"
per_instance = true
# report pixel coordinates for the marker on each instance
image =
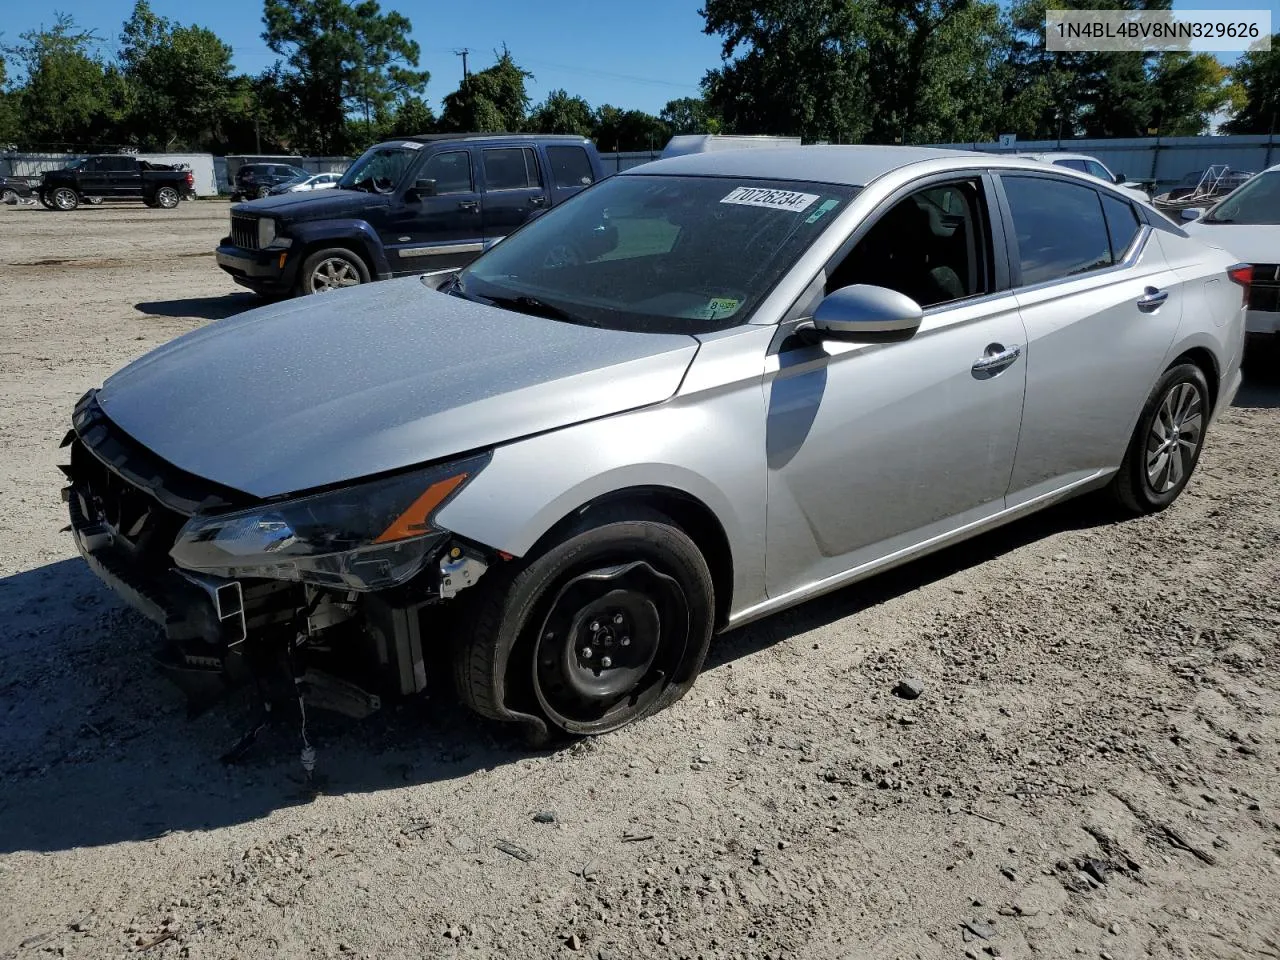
(1242, 273)
(191, 180)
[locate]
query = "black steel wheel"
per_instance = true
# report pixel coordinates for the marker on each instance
(605, 626)
(1166, 444)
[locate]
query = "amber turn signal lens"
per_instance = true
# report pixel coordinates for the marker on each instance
(414, 522)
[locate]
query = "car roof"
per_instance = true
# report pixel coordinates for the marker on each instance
(855, 166)
(1059, 155)
(438, 137)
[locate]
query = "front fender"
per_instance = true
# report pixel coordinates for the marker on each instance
(350, 230)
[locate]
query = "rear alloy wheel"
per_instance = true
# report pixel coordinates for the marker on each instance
(1167, 442)
(64, 198)
(167, 198)
(609, 625)
(332, 269)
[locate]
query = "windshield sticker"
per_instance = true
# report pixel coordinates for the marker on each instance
(411, 145)
(773, 199)
(721, 307)
(823, 209)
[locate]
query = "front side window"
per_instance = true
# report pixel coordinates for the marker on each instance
(510, 168)
(451, 171)
(931, 246)
(1098, 170)
(657, 253)
(379, 169)
(1257, 202)
(1060, 228)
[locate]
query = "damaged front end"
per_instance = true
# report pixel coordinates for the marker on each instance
(325, 593)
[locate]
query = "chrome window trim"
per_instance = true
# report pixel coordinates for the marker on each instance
(1133, 255)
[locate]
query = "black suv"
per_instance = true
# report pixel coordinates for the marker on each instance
(405, 207)
(257, 179)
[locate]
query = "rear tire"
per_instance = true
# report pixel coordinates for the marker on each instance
(608, 625)
(8, 196)
(167, 198)
(1167, 442)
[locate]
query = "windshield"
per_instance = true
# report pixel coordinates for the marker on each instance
(1256, 202)
(380, 168)
(659, 254)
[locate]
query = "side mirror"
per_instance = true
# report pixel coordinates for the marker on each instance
(1192, 213)
(1120, 178)
(421, 189)
(867, 313)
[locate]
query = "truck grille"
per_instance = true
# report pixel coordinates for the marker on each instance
(1264, 291)
(244, 231)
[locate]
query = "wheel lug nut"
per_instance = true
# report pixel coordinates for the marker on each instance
(606, 662)
(625, 641)
(595, 626)
(617, 618)
(587, 653)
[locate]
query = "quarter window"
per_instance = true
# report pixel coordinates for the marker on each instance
(1060, 228)
(1122, 224)
(570, 167)
(1098, 170)
(451, 171)
(510, 168)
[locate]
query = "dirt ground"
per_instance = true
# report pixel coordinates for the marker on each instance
(1092, 768)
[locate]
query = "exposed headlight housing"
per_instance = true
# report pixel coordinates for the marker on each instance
(369, 536)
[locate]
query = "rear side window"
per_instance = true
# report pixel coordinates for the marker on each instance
(1077, 165)
(1122, 224)
(570, 167)
(118, 164)
(451, 171)
(510, 168)
(1060, 228)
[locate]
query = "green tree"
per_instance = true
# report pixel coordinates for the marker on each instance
(66, 100)
(492, 100)
(1189, 89)
(690, 115)
(179, 80)
(629, 130)
(8, 110)
(1257, 74)
(341, 57)
(561, 113)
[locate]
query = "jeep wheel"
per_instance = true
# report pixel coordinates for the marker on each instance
(331, 269)
(64, 198)
(608, 625)
(167, 198)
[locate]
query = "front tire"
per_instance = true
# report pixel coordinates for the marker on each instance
(8, 196)
(1167, 442)
(46, 201)
(167, 198)
(64, 199)
(608, 625)
(331, 269)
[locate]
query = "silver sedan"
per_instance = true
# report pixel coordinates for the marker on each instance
(699, 392)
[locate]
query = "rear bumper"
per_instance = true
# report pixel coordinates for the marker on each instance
(265, 270)
(1262, 321)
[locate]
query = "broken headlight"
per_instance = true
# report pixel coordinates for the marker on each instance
(369, 536)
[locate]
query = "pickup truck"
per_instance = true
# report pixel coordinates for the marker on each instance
(115, 177)
(405, 207)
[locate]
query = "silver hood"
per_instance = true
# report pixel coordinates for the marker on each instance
(330, 388)
(1251, 243)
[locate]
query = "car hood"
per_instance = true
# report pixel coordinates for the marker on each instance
(334, 387)
(311, 204)
(1251, 243)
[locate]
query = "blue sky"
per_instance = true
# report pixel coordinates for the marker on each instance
(630, 54)
(633, 55)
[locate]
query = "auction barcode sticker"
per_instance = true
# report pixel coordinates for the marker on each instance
(773, 199)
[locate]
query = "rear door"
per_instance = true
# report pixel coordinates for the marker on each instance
(124, 176)
(435, 232)
(514, 188)
(1101, 307)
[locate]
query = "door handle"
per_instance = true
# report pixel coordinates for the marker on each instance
(1151, 299)
(537, 201)
(996, 358)
(468, 204)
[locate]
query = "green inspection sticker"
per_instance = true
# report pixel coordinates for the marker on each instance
(722, 307)
(823, 209)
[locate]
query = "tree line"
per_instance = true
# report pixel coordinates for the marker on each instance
(843, 71)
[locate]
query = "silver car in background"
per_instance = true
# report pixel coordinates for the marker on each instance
(699, 392)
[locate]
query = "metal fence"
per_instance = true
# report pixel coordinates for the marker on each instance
(1163, 161)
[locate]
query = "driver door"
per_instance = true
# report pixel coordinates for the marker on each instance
(876, 448)
(436, 232)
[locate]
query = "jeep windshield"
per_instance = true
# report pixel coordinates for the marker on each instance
(379, 168)
(657, 253)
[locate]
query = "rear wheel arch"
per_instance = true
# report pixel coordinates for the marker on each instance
(1208, 364)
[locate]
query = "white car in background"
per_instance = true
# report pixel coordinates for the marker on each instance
(1246, 223)
(317, 181)
(1094, 168)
